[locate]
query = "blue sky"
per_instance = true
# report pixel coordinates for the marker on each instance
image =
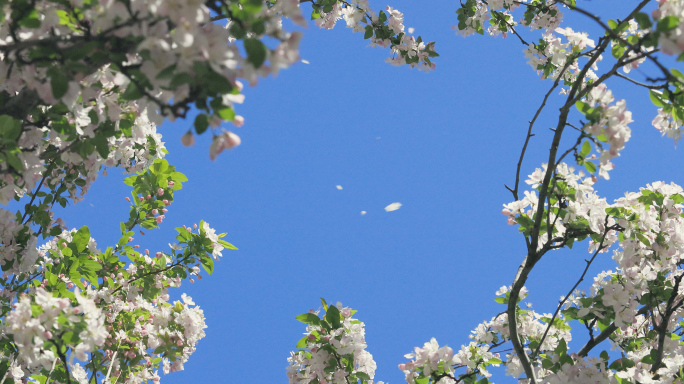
(442, 143)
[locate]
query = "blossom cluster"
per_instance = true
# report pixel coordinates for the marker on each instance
(608, 123)
(384, 29)
(116, 315)
(671, 41)
(39, 317)
(441, 364)
(333, 349)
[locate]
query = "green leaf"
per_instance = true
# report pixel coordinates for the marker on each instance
(309, 318)
(582, 107)
(256, 52)
(363, 376)
(58, 82)
(167, 72)
(562, 348)
(226, 114)
(586, 148)
(13, 160)
(333, 316)
(369, 32)
(678, 75)
(667, 23)
(591, 167)
(201, 123)
(102, 145)
(132, 92)
(643, 20)
(302, 342)
(643, 239)
(251, 6)
(656, 98)
(39, 378)
(227, 244)
(382, 16)
(10, 128)
(207, 263)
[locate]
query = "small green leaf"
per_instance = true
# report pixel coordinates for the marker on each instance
(586, 148)
(59, 83)
(643, 20)
(207, 263)
(309, 318)
(333, 316)
(132, 92)
(10, 128)
(226, 114)
(667, 23)
(13, 160)
(302, 342)
(656, 98)
(643, 239)
(369, 32)
(227, 244)
(256, 52)
(591, 167)
(201, 123)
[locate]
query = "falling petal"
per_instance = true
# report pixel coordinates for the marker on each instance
(363, 213)
(393, 207)
(339, 187)
(305, 61)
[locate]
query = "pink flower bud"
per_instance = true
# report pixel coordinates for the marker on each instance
(160, 192)
(159, 255)
(130, 239)
(155, 211)
(166, 202)
(238, 121)
(164, 210)
(159, 219)
(311, 337)
(232, 140)
(48, 334)
(188, 139)
(141, 198)
(136, 246)
(171, 183)
(227, 140)
(149, 197)
(128, 199)
(70, 285)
